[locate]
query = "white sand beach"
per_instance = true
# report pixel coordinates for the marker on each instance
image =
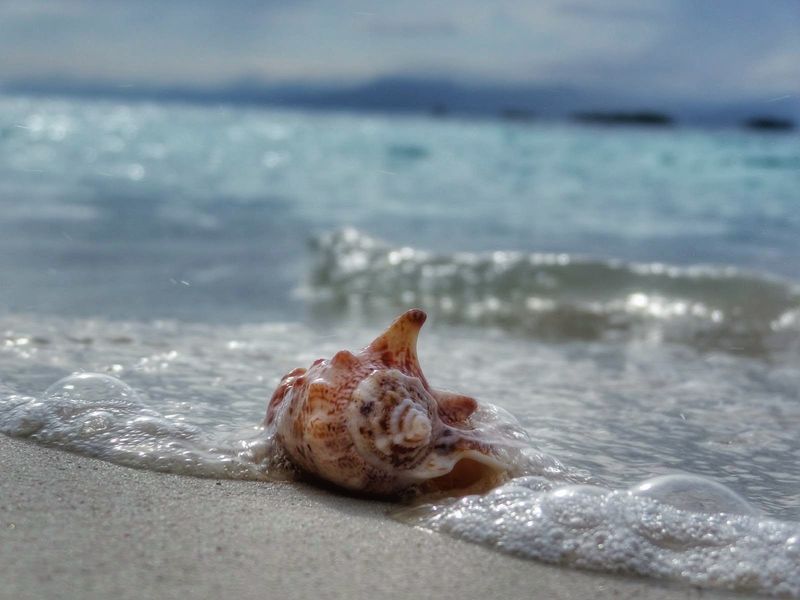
(75, 527)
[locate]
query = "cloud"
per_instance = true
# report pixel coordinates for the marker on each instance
(589, 11)
(411, 28)
(679, 48)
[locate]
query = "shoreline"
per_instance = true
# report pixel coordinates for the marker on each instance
(77, 527)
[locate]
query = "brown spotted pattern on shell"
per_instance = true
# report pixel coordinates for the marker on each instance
(370, 422)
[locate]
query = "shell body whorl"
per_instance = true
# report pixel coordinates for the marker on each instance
(370, 422)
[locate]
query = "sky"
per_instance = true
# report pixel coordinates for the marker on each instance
(693, 50)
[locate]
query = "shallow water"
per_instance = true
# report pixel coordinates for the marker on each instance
(189, 398)
(163, 282)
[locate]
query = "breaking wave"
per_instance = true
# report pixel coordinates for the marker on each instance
(558, 296)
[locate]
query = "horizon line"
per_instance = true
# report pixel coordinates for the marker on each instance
(426, 94)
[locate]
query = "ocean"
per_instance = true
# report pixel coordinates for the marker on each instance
(629, 295)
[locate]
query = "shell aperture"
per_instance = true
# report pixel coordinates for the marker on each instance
(370, 422)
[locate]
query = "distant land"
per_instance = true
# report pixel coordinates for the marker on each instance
(769, 123)
(625, 118)
(441, 98)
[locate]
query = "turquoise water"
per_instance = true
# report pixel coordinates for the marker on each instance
(226, 198)
(630, 296)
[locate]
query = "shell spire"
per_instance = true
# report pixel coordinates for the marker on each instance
(397, 346)
(370, 422)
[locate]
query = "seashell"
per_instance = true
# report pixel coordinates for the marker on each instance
(370, 421)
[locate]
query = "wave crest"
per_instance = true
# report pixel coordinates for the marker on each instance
(558, 296)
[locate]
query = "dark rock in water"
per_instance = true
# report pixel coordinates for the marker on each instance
(769, 124)
(625, 118)
(517, 114)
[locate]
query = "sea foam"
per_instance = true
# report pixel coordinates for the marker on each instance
(624, 531)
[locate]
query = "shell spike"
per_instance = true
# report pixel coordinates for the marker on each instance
(454, 407)
(344, 360)
(397, 346)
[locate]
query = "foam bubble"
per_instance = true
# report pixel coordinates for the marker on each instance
(695, 494)
(83, 390)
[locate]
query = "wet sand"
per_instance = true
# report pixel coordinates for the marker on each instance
(74, 527)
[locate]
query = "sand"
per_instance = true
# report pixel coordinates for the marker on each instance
(74, 527)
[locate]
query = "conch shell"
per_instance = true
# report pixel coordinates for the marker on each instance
(370, 422)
